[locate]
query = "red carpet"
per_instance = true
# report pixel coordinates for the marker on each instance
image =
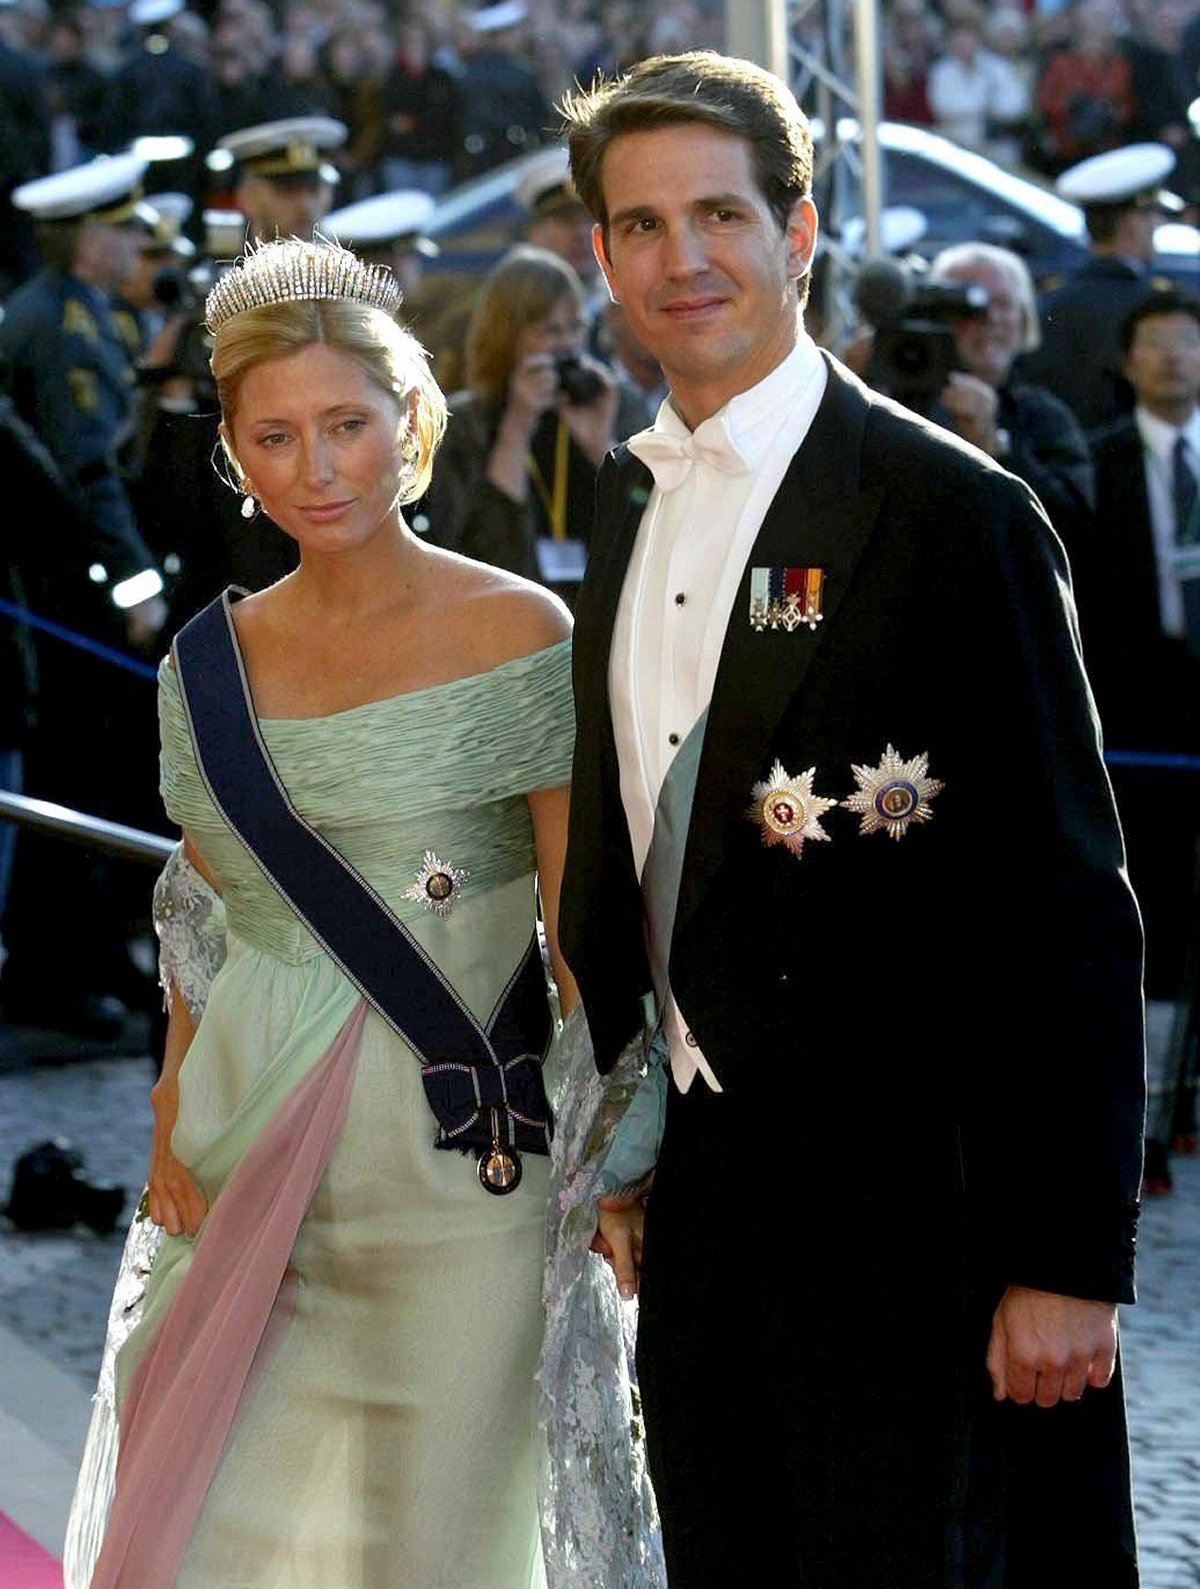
(23, 1562)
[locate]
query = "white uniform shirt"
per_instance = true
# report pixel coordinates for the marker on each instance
(1158, 459)
(691, 551)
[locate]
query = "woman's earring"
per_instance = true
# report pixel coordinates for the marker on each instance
(249, 503)
(410, 452)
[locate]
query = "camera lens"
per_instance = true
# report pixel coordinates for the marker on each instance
(576, 382)
(170, 288)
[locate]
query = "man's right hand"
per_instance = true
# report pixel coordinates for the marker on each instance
(618, 1240)
(176, 1202)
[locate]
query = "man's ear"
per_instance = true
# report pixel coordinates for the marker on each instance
(600, 249)
(802, 238)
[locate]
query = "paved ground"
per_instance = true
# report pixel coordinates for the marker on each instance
(54, 1292)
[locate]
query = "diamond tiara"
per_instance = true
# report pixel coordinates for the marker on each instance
(291, 271)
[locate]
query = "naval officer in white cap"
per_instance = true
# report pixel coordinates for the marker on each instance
(389, 229)
(69, 377)
(504, 112)
(160, 90)
(284, 180)
(1123, 201)
(557, 217)
(68, 371)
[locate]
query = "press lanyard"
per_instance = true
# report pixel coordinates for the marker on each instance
(554, 502)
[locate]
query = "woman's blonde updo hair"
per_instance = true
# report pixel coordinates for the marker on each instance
(390, 357)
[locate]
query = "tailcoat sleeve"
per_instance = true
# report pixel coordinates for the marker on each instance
(1052, 1122)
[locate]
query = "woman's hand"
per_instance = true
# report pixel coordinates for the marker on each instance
(618, 1240)
(176, 1202)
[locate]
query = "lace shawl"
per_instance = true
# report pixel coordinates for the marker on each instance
(599, 1521)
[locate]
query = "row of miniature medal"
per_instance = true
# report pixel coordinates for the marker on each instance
(785, 598)
(889, 797)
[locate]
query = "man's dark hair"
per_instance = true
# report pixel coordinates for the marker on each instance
(1165, 301)
(702, 87)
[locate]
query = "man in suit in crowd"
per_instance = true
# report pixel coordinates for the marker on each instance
(1137, 572)
(1123, 204)
(838, 804)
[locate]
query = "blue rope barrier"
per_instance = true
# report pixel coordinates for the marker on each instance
(1152, 758)
(118, 659)
(8, 609)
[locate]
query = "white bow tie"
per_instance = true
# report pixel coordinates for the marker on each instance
(669, 457)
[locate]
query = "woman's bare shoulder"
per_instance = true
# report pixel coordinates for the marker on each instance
(500, 615)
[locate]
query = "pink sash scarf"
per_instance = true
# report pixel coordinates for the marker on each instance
(220, 1330)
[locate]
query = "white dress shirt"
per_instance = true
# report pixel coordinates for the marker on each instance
(688, 560)
(1158, 460)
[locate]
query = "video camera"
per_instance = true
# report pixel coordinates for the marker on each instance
(576, 382)
(182, 290)
(913, 315)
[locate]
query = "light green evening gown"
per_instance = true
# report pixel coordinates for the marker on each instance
(391, 1439)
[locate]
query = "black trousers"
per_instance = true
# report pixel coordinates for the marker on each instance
(815, 1392)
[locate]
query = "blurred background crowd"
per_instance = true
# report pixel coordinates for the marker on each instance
(372, 120)
(433, 92)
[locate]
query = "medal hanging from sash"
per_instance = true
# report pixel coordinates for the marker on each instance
(483, 1082)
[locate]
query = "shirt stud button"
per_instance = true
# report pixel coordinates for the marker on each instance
(680, 597)
(690, 1039)
(672, 739)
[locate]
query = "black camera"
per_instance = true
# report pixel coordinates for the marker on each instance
(171, 289)
(182, 293)
(50, 1193)
(913, 352)
(576, 382)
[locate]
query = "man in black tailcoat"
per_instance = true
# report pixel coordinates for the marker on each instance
(900, 910)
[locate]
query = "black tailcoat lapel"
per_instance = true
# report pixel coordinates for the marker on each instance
(600, 919)
(821, 517)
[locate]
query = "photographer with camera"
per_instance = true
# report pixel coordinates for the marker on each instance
(945, 343)
(1023, 426)
(516, 475)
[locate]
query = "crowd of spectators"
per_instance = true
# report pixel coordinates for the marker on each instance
(432, 93)
(1041, 84)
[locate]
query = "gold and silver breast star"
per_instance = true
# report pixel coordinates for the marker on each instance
(438, 884)
(893, 794)
(787, 810)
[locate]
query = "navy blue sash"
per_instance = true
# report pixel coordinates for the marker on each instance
(484, 1084)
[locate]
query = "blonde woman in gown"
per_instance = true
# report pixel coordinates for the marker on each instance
(413, 704)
